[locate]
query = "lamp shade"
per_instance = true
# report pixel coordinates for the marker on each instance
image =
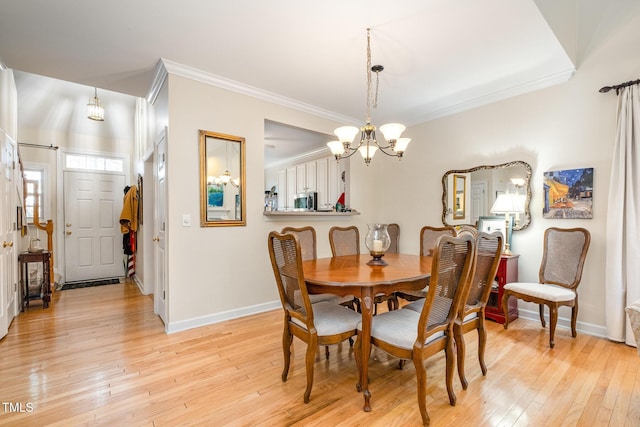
(507, 203)
(368, 151)
(346, 133)
(401, 145)
(336, 147)
(392, 131)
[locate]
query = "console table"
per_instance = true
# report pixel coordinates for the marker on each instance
(507, 273)
(44, 287)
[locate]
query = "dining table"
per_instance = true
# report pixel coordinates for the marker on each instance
(351, 275)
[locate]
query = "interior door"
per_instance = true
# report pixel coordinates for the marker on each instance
(93, 241)
(160, 223)
(7, 208)
(478, 197)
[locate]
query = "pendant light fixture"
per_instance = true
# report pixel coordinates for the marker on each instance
(368, 144)
(95, 111)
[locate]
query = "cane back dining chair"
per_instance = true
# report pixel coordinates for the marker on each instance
(471, 317)
(416, 336)
(564, 253)
(394, 235)
(308, 251)
(428, 237)
(322, 323)
(346, 241)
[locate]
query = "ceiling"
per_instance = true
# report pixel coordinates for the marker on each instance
(439, 56)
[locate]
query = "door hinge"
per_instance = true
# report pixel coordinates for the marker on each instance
(164, 294)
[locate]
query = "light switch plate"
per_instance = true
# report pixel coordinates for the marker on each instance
(186, 220)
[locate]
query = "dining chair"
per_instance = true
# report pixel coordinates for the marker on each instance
(471, 317)
(467, 228)
(428, 237)
(564, 253)
(308, 250)
(308, 247)
(394, 234)
(322, 323)
(346, 241)
(416, 336)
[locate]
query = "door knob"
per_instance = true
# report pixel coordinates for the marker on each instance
(68, 232)
(68, 225)
(11, 243)
(5, 244)
(156, 239)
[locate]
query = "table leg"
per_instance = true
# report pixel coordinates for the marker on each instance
(367, 306)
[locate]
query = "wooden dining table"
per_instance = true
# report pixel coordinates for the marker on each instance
(350, 275)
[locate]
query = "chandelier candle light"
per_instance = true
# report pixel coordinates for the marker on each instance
(368, 144)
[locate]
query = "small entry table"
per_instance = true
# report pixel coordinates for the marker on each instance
(43, 257)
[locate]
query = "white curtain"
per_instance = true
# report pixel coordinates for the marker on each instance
(623, 218)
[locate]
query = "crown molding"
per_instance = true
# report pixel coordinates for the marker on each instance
(160, 75)
(435, 111)
(234, 86)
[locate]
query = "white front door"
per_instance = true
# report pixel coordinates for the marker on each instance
(478, 197)
(160, 224)
(92, 237)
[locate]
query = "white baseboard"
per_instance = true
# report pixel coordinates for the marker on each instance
(183, 325)
(565, 323)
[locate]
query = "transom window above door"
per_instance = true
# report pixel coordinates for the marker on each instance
(93, 163)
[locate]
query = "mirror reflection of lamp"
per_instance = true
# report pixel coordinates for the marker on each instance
(225, 178)
(507, 204)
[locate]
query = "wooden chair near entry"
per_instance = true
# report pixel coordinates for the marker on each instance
(322, 323)
(416, 336)
(428, 237)
(471, 317)
(346, 241)
(564, 253)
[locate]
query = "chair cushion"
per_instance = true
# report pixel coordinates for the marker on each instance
(633, 311)
(415, 306)
(470, 316)
(331, 319)
(398, 328)
(537, 290)
(314, 298)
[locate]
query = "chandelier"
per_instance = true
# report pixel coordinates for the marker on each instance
(368, 144)
(95, 111)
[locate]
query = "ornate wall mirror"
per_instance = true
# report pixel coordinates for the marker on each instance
(222, 178)
(480, 186)
(459, 196)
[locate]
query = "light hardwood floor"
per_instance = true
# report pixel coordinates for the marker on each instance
(99, 356)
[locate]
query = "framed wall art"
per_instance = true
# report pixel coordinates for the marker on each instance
(568, 194)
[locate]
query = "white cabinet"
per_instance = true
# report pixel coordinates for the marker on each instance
(321, 183)
(291, 186)
(321, 176)
(282, 189)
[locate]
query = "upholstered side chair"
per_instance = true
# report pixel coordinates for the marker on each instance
(322, 323)
(428, 237)
(564, 253)
(471, 317)
(412, 335)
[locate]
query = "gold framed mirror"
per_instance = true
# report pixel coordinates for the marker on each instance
(459, 196)
(479, 188)
(222, 178)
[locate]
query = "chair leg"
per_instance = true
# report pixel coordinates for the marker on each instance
(450, 366)
(482, 344)
(357, 351)
(505, 309)
(310, 359)
(553, 320)
(421, 379)
(287, 339)
(574, 319)
(326, 352)
(460, 352)
(541, 310)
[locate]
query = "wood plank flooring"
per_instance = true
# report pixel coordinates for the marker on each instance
(99, 356)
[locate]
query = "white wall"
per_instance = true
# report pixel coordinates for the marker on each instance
(562, 127)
